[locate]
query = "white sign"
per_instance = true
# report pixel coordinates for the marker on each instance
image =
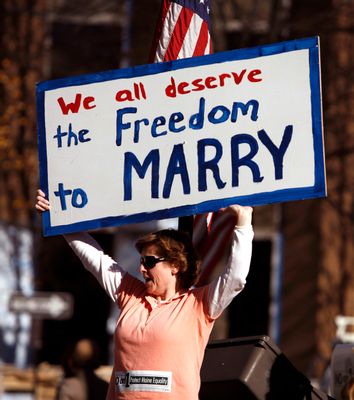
(57, 305)
(182, 137)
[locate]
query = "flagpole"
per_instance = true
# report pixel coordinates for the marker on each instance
(186, 224)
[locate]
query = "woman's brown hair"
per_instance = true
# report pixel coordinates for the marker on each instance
(177, 247)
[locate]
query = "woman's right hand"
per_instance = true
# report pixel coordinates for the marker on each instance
(42, 203)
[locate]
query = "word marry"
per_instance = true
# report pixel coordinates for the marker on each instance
(177, 165)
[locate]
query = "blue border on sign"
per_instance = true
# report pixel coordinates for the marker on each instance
(315, 191)
(251, 200)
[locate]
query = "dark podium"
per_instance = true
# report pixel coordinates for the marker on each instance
(252, 368)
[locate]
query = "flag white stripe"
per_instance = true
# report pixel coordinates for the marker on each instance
(191, 38)
(167, 31)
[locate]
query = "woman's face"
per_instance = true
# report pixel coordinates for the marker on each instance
(161, 280)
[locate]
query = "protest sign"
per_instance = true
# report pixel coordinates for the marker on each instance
(182, 137)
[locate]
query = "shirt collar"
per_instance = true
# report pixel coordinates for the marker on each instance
(154, 302)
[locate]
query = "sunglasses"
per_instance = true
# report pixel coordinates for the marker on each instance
(150, 261)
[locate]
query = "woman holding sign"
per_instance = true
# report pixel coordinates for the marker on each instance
(165, 322)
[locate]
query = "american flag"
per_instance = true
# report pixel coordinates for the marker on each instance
(212, 234)
(183, 30)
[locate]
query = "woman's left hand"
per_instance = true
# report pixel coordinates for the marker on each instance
(243, 214)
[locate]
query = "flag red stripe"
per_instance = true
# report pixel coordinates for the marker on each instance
(200, 231)
(223, 224)
(202, 41)
(178, 35)
(218, 241)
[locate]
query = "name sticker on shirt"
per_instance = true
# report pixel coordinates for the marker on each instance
(147, 381)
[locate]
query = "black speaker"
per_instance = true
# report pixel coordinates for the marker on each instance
(252, 368)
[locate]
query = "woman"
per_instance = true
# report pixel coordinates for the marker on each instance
(165, 323)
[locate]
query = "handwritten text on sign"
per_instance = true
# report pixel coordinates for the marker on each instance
(181, 138)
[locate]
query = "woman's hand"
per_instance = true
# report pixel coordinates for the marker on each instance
(243, 214)
(42, 203)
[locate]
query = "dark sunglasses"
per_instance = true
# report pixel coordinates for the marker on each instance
(150, 261)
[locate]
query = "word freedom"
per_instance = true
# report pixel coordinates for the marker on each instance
(177, 122)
